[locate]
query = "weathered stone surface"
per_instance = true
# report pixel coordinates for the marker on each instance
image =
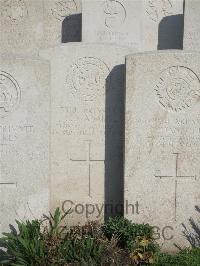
(141, 24)
(87, 116)
(162, 152)
(26, 26)
(21, 26)
(112, 22)
(163, 24)
(62, 21)
(192, 25)
(24, 139)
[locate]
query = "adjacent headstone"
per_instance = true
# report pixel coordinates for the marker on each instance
(115, 22)
(162, 152)
(21, 26)
(87, 129)
(163, 24)
(62, 21)
(141, 24)
(192, 25)
(26, 26)
(24, 140)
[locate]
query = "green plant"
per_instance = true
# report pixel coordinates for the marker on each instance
(91, 228)
(34, 243)
(137, 239)
(187, 257)
(51, 242)
(193, 234)
(114, 255)
(55, 227)
(86, 250)
(143, 252)
(25, 247)
(128, 232)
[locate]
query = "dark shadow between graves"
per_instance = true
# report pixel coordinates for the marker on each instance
(71, 28)
(170, 32)
(114, 142)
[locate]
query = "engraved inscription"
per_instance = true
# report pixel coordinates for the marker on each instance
(89, 77)
(14, 10)
(176, 178)
(115, 13)
(157, 9)
(9, 94)
(63, 8)
(178, 88)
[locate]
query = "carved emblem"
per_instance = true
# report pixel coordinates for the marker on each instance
(9, 94)
(63, 8)
(178, 88)
(115, 13)
(89, 76)
(157, 9)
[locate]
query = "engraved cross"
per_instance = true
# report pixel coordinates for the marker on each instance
(176, 178)
(89, 162)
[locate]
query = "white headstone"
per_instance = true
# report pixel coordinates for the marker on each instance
(192, 25)
(21, 26)
(163, 24)
(115, 22)
(62, 21)
(141, 24)
(26, 26)
(162, 152)
(24, 140)
(87, 116)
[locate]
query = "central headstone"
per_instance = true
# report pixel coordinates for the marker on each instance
(87, 128)
(162, 153)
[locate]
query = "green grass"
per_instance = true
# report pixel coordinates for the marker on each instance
(190, 257)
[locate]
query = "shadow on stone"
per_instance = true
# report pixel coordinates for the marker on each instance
(170, 32)
(71, 28)
(114, 142)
